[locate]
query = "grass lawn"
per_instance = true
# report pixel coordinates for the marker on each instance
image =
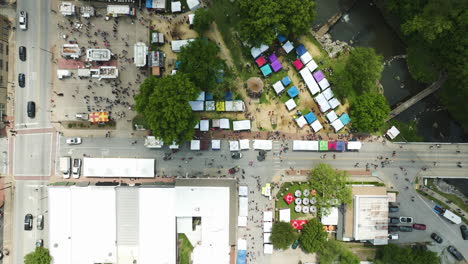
(455, 199)
(185, 249)
(440, 203)
(291, 188)
(264, 99)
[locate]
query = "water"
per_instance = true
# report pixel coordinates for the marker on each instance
(364, 26)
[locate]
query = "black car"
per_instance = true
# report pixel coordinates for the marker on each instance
(406, 229)
(236, 155)
(464, 232)
(28, 222)
(456, 254)
(436, 238)
(31, 109)
(392, 229)
(22, 53)
(393, 209)
(21, 80)
(393, 220)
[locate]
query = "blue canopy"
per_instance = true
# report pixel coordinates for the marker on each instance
(228, 96)
(208, 96)
(300, 50)
(149, 3)
(286, 81)
(241, 257)
(177, 64)
(340, 146)
(293, 92)
(310, 117)
(266, 70)
(344, 118)
(281, 38)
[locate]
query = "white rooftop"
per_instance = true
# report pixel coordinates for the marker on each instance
(278, 87)
(332, 218)
(370, 217)
(290, 104)
(118, 167)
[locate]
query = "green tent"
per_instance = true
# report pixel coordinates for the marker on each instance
(323, 145)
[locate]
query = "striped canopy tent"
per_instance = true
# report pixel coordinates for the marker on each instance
(99, 117)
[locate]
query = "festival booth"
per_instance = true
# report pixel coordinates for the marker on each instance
(267, 226)
(324, 84)
(285, 215)
(288, 47)
(290, 104)
(318, 75)
(345, 119)
(340, 146)
(266, 238)
(286, 81)
(312, 66)
(328, 93)
(194, 144)
(334, 103)
(210, 106)
(266, 70)
(267, 249)
(309, 81)
(331, 116)
(267, 216)
(278, 87)
(260, 61)
(393, 132)
(99, 117)
(306, 58)
(301, 121)
(244, 144)
(224, 123)
(293, 92)
(197, 105)
(322, 102)
(241, 125)
(281, 38)
(272, 58)
(255, 52)
(310, 117)
(332, 145)
(215, 144)
(297, 224)
(300, 50)
(353, 145)
(323, 145)
(262, 144)
(241, 255)
(234, 145)
(298, 64)
(337, 125)
(316, 126)
(276, 66)
(305, 145)
(204, 125)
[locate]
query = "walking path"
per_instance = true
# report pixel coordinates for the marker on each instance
(451, 206)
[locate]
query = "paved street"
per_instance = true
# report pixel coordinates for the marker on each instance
(32, 149)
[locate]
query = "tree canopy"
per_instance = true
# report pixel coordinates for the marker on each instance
(261, 20)
(200, 62)
(393, 254)
(334, 252)
(202, 20)
(369, 111)
(282, 235)
(38, 256)
(313, 237)
(329, 184)
(163, 103)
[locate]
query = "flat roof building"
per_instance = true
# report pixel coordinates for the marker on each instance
(98, 55)
(71, 51)
(140, 53)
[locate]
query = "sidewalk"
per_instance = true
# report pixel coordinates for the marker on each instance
(452, 207)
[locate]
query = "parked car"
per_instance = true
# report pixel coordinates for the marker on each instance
(22, 53)
(40, 243)
(406, 219)
(436, 238)
(23, 20)
(455, 253)
(21, 80)
(295, 244)
(464, 232)
(76, 168)
(40, 222)
(74, 141)
(28, 219)
(393, 228)
(419, 226)
(393, 236)
(31, 109)
(233, 170)
(393, 209)
(393, 220)
(236, 155)
(406, 229)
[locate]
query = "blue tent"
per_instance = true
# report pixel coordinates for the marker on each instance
(177, 64)
(344, 118)
(266, 70)
(149, 3)
(241, 257)
(228, 96)
(281, 38)
(293, 92)
(300, 50)
(220, 76)
(286, 81)
(340, 146)
(208, 96)
(310, 117)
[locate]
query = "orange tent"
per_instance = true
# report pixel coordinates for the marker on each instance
(99, 117)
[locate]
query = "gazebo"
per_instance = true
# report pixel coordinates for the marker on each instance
(254, 87)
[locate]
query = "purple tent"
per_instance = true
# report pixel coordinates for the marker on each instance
(276, 66)
(318, 76)
(272, 58)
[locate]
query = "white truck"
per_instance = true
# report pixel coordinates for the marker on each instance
(447, 214)
(65, 165)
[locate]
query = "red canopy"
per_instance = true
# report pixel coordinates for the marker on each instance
(260, 61)
(298, 64)
(289, 198)
(297, 224)
(332, 145)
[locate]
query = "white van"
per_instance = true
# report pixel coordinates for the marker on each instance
(65, 166)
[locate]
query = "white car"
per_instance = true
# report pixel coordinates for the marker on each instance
(74, 141)
(23, 20)
(76, 168)
(406, 219)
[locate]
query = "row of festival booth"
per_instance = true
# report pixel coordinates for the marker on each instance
(234, 145)
(242, 222)
(312, 145)
(205, 102)
(205, 124)
(267, 227)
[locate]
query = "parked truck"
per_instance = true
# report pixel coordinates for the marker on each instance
(447, 214)
(65, 166)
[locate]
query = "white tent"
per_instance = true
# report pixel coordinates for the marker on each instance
(331, 116)
(118, 167)
(210, 106)
(305, 145)
(204, 125)
(334, 103)
(194, 144)
(174, 145)
(244, 144)
(337, 125)
(393, 132)
(63, 73)
(328, 93)
(267, 226)
(224, 123)
(190, 18)
(306, 57)
(201, 96)
(242, 221)
(234, 145)
(285, 215)
(197, 105)
(243, 190)
(290, 104)
(301, 121)
(234, 106)
(176, 45)
(193, 4)
(266, 237)
(288, 46)
(354, 145)
(332, 218)
(322, 102)
(243, 206)
(309, 81)
(241, 125)
(176, 7)
(316, 126)
(324, 84)
(255, 52)
(312, 66)
(241, 244)
(267, 249)
(278, 87)
(267, 216)
(263, 144)
(215, 144)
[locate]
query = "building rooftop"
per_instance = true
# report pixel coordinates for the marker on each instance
(98, 55)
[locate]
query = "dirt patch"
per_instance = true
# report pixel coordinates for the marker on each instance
(214, 35)
(311, 47)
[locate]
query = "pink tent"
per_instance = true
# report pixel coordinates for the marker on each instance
(298, 64)
(331, 145)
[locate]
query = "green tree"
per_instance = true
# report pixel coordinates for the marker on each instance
(369, 111)
(202, 20)
(282, 235)
(335, 252)
(39, 256)
(364, 69)
(262, 20)
(200, 61)
(330, 185)
(313, 237)
(393, 254)
(163, 103)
